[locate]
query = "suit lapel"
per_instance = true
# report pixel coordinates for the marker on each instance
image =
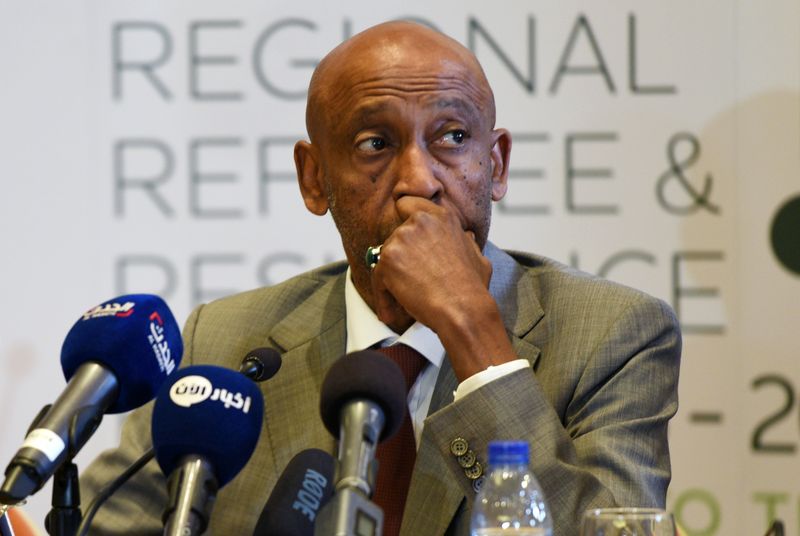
(310, 339)
(434, 498)
(514, 290)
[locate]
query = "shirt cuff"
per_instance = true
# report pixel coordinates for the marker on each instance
(486, 376)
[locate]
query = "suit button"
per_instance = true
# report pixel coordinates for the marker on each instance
(467, 460)
(474, 472)
(477, 484)
(459, 446)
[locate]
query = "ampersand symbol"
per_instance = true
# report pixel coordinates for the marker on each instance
(676, 170)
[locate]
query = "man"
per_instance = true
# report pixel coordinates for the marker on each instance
(404, 154)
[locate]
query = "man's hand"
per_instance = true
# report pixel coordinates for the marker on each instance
(432, 270)
(428, 264)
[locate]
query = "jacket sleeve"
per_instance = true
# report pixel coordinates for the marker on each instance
(598, 431)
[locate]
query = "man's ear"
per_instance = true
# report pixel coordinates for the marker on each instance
(310, 177)
(500, 158)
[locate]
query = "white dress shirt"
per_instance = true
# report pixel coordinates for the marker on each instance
(364, 330)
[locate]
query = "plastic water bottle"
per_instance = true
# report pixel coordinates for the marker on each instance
(510, 501)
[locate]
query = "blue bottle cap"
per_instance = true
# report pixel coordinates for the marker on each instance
(508, 453)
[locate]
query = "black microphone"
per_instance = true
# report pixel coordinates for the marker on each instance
(114, 358)
(363, 401)
(261, 364)
(304, 486)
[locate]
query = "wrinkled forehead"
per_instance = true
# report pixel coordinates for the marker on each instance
(399, 58)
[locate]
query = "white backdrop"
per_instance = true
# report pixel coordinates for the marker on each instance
(145, 147)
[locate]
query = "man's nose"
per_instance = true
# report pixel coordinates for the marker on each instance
(417, 174)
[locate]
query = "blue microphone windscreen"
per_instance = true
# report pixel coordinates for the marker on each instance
(211, 412)
(136, 337)
(304, 487)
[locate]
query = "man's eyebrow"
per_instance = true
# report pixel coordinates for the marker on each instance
(364, 113)
(460, 105)
(447, 102)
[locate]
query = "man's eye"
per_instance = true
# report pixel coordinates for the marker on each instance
(455, 137)
(372, 145)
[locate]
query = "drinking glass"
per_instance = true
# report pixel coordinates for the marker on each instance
(627, 522)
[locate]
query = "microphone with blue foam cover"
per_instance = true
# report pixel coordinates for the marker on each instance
(206, 423)
(114, 359)
(259, 364)
(136, 337)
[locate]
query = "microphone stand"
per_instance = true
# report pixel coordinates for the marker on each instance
(65, 516)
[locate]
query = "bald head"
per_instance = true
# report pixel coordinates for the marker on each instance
(403, 54)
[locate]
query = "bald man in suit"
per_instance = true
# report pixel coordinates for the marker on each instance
(403, 152)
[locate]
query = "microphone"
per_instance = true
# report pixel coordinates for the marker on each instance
(304, 486)
(363, 401)
(114, 359)
(261, 364)
(206, 423)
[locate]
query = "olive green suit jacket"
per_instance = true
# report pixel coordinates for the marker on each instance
(594, 405)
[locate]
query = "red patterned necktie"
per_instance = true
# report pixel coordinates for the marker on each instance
(396, 456)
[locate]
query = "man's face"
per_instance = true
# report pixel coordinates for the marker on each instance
(406, 121)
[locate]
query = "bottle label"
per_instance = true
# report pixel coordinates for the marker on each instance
(45, 441)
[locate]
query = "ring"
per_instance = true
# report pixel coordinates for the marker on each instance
(373, 256)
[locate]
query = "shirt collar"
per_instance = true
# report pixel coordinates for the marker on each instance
(364, 330)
